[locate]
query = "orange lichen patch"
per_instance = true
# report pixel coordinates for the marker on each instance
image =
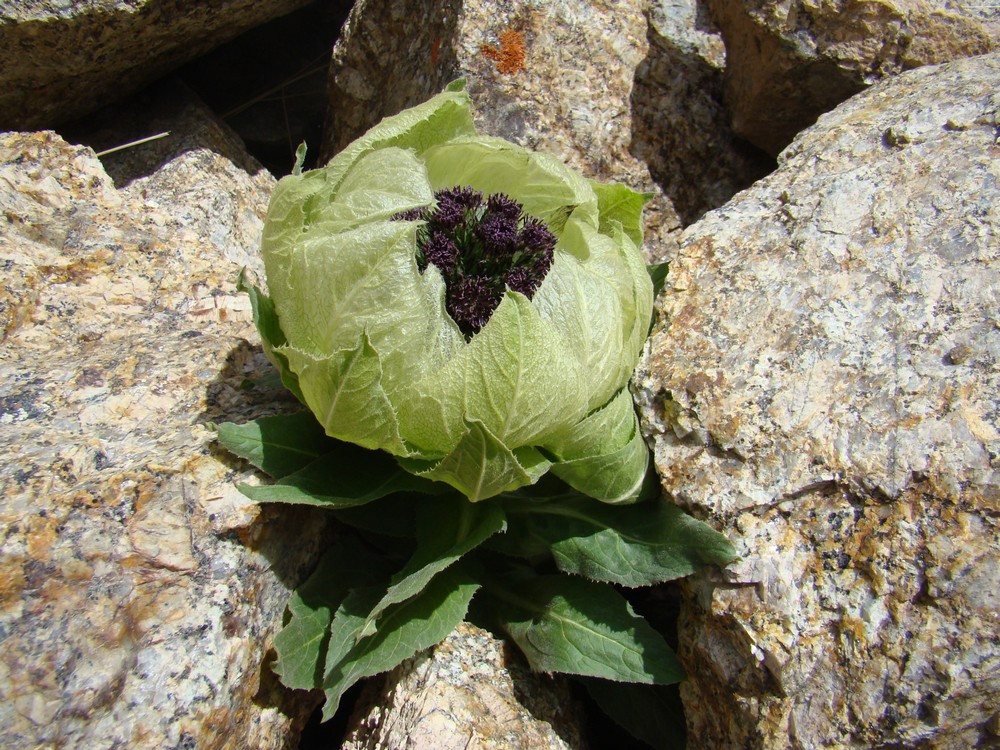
(435, 51)
(510, 56)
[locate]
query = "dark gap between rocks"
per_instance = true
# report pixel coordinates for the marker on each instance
(680, 128)
(330, 735)
(269, 84)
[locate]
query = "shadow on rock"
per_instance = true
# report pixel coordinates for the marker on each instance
(679, 125)
(245, 389)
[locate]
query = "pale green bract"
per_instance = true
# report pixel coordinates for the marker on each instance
(366, 342)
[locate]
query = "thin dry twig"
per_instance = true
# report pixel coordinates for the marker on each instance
(130, 144)
(304, 73)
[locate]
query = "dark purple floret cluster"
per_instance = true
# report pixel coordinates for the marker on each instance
(482, 247)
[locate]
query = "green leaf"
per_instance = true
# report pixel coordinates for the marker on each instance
(300, 159)
(515, 377)
(380, 185)
(438, 120)
(404, 629)
(567, 624)
(448, 527)
(265, 317)
(394, 515)
(658, 273)
(343, 477)
(651, 713)
(345, 391)
(582, 302)
(481, 466)
(634, 545)
(278, 445)
(606, 456)
(301, 643)
(547, 188)
(616, 202)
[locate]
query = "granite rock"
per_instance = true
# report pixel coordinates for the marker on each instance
(680, 125)
(568, 94)
(561, 77)
(138, 588)
(789, 62)
(468, 691)
(61, 59)
(822, 385)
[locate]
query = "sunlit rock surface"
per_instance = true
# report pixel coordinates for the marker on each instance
(822, 384)
(466, 692)
(138, 589)
(790, 62)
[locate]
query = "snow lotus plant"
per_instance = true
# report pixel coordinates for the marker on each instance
(461, 317)
(468, 306)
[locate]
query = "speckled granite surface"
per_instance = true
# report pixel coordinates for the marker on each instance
(467, 692)
(822, 384)
(138, 590)
(790, 62)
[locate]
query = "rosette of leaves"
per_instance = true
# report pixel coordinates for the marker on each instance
(473, 308)
(461, 318)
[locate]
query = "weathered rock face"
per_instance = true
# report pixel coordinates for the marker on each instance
(555, 75)
(138, 589)
(823, 385)
(561, 77)
(60, 60)
(790, 62)
(465, 692)
(680, 127)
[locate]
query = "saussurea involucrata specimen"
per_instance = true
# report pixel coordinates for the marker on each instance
(461, 317)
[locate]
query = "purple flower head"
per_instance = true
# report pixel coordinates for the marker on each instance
(452, 205)
(499, 204)
(482, 247)
(536, 236)
(498, 234)
(413, 214)
(519, 280)
(448, 215)
(442, 251)
(465, 197)
(471, 301)
(541, 264)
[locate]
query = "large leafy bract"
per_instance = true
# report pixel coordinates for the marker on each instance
(501, 378)
(605, 456)
(481, 466)
(546, 187)
(364, 337)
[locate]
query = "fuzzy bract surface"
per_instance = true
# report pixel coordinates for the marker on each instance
(366, 340)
